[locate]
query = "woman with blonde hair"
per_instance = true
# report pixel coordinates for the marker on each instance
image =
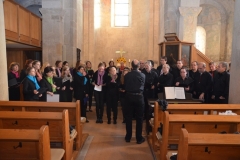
(67, 85)
(13, 82)
(37, 65)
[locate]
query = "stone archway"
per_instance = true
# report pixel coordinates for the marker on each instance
(223, 28)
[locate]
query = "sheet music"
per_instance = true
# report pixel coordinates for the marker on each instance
(98, 88)
(54, 98)
(170, 92)
(179, 93)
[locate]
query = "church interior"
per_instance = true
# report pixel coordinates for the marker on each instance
(79, 32)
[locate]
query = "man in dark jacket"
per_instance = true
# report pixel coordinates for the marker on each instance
(221, 84)
(134, 86)
(202, 84)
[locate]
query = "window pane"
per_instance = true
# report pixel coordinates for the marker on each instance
(121, 1)
(121, 21)
(121, 9)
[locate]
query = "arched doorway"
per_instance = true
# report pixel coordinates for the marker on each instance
(201, 39)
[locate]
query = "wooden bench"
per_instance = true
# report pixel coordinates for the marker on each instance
(27, 144)
(58, 123)
(197, 109)
(172, 125)
(73, 110)
(199, 146)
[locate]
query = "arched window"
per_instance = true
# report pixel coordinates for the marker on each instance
(201, 39)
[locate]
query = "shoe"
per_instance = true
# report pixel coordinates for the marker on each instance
(87, 121)
(100, 121)
(124, 121)
(90, 110)
(87, 111)
(97, 121)
(141, 141)
(109, 121)
(127, 140)
(115, 122)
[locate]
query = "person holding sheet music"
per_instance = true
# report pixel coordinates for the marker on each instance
(165, 79)
(30, 86)
(14, 89)
(67, 85)
(184, 81)
(99, 83)
(81, 88)
(24, 73)
(48, 83)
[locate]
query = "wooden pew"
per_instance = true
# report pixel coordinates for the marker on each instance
(58, 123)
(198, 146)
(187, 109)
(26, 144)
(172, 125)
(73, 109)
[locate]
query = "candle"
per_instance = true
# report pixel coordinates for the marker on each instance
(129, 60)
(112, 59)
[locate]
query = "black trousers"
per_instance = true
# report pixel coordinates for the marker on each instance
(90, 94)
(99, 98)
(112, 103)
(123, 104)
(134, 103)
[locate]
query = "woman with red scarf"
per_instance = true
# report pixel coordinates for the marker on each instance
(99, 83)
(112, 94)
(14, 80)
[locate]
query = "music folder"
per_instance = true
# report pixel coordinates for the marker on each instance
(175, 93)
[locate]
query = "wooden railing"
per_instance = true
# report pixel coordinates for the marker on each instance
(22, 25)
(200, 57)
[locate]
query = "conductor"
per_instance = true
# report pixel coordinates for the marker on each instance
(134, 86)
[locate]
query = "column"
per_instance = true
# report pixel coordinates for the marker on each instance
(188, 23)
(52, 34)
(234, 89)
(3, 58)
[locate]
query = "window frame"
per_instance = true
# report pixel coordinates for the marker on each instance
(113, 15)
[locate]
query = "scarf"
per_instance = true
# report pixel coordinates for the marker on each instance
(50, 80)
(81, 75)
(16, 74)
(67, 78)
(34, 80)
(114, 77)
(39, 76)
(100, 77)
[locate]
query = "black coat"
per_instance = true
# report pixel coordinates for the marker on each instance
(28, 88)
(45, 84)
(203, 83)
(66, 95)
(112, 87)
(95, 79)
(14, 91)
(80, 89)
(164, 81)
(221, 84)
